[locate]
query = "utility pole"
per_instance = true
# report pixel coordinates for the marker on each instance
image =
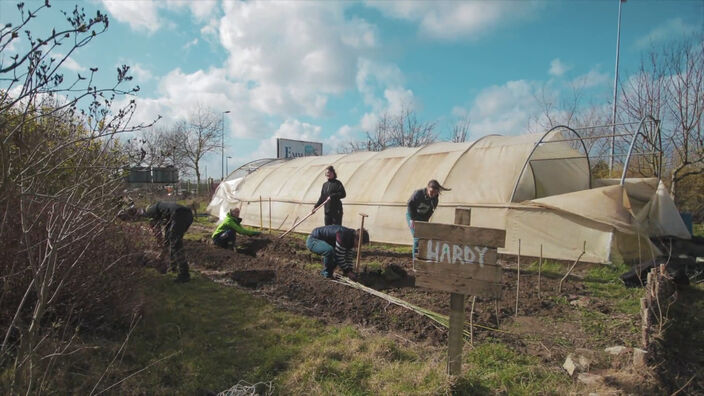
(222, 147)
(613, 115)
(227, 165)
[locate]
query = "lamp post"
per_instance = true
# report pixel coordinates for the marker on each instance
(222, 147)
(613, 116)
(227, 165)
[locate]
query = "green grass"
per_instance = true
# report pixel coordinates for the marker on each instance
(501, 370)
(548, 268)
(698, 230)
(603, 281)
(210, 337)
(402, 249)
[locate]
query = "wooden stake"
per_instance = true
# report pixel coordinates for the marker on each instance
(295, 224)
(261, 218)
(584, 249)
(497, 313)
(540, 265)
(454, 352)
(282, 223)
(359, 243)
(518, 271)
(269, 215)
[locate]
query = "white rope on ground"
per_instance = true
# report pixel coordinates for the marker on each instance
(438, 318)
(244, 388)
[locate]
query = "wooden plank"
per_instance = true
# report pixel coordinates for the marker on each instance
(463, 216)
(454, 338)
(443, 252)
(452, 283)
(460, 234)
(491, 273)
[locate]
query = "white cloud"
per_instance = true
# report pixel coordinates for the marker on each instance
(375, 77)
(289, 129)
(558, 68)
(141, 75)
(190, 44)
(179, 92)
(143, 15)
(140, 15)
(504, 109)
(668, 30)
(69, 63)
(312, 52)
(592, 78)
(454, 19)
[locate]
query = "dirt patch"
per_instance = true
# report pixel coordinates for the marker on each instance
(548, 326)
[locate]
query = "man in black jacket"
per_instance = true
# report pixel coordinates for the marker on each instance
(336, 244)
(334, 190)
(421, 206)
(175, 220)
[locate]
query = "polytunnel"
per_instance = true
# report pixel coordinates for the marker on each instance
(537, 187)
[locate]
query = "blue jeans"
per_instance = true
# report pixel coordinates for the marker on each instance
(413, 234)
(324, 249)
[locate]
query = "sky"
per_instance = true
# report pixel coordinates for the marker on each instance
(325, 71)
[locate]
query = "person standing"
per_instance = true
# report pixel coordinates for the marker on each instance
(421, 206)
(336, 244)
(173, 219)
(225, 234)
(334, 190)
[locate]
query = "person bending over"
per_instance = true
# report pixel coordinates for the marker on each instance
(226, 232)
(336, 244)
(170, 221)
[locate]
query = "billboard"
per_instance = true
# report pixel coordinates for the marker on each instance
(287, 148)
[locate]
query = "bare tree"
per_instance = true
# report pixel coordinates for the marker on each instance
(154, 146)
(59, 178)
(669, 85)
(196, 137)
(392, 130)
(685, 107)
(460, 131)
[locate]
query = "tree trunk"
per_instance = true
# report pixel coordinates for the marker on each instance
(197, 180)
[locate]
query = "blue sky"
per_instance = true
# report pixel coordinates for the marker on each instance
(325, 70)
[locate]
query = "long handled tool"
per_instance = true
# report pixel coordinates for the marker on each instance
(359, 243)
(303, 219)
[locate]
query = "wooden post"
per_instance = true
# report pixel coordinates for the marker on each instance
(359, 243)
(476, 274)
(454, 352)
(269, 215)
(261, 218)
(471, 322)
(518, 282)
(455, 342)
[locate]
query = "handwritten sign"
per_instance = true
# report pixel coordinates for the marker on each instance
(459, 259)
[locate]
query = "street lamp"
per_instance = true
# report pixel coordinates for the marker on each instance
(222, 147)
(613, 114)
(227, 165)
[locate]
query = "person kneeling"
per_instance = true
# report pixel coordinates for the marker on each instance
(225, 234)
(344, 240)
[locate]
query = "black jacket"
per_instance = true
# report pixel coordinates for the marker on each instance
(164, 211)
(336, 191)
(421, 206)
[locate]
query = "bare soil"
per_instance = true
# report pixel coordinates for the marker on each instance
(547, 326)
